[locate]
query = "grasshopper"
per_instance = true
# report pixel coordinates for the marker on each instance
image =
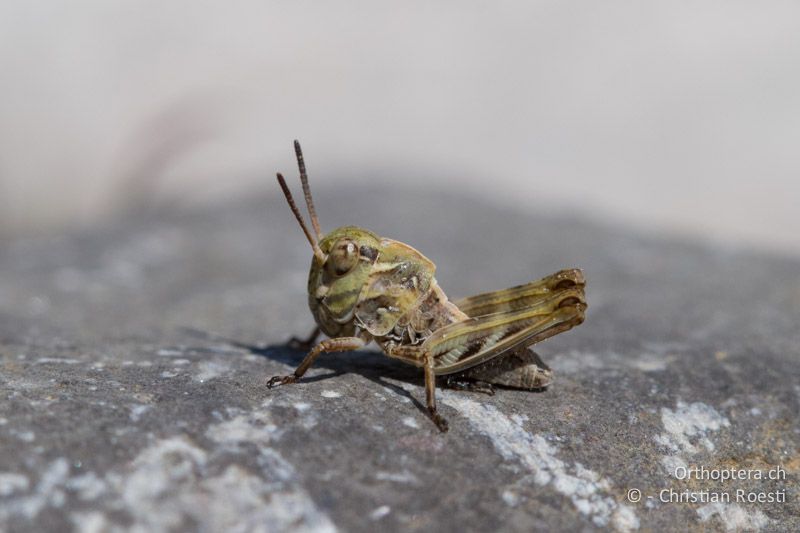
(364, 288)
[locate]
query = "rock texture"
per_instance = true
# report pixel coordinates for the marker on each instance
(134, 359)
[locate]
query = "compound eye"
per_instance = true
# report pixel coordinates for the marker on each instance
(343, 257)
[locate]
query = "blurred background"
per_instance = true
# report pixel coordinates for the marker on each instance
(679, 118)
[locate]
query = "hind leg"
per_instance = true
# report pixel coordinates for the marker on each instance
(522, 369)
(459, 382)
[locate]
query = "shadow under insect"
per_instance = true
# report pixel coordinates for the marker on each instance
(372, 365)
(369, 364)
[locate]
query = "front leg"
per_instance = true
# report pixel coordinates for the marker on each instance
(339, 344)
(297, 343)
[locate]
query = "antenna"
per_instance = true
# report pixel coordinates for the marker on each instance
(301, 164)
(286, 192)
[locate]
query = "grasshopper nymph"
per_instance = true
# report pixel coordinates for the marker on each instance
(364, 288)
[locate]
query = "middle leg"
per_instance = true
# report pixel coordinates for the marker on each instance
(430, 395)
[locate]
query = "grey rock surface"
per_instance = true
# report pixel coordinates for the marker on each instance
(134, 361)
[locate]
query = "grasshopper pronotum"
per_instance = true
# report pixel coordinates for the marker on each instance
(364, 288)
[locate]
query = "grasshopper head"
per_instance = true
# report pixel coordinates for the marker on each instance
(335, 284)
(340, 266)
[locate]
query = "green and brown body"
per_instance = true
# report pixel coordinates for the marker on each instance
(390, 295)
(364, 288)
